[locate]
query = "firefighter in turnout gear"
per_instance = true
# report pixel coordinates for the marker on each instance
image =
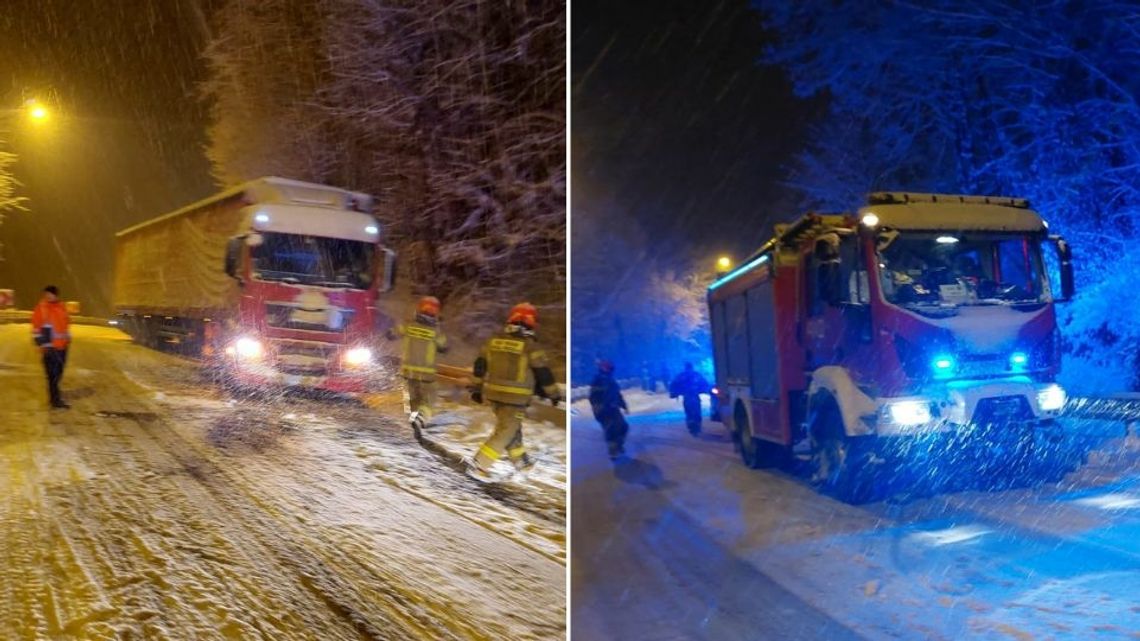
(689, 385)
(423, 339)
(608, 404)
(511, 368)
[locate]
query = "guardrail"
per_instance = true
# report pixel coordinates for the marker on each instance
(25, 316)
(1114, 407)
(539, 409)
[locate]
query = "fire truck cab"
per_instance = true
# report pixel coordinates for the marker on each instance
(918, 330)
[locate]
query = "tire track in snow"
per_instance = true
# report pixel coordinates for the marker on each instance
(203, 467)
(298, 557)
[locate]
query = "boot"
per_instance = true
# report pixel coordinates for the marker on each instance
(524, 464)
(478, 472)
(417, 422)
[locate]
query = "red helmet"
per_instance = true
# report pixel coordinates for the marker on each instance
(428, 306)
(524, 314)
(606, 366)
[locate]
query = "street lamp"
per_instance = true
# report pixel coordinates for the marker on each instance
(36, 111)
(723, 264)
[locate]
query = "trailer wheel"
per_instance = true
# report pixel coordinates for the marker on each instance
(838, 462)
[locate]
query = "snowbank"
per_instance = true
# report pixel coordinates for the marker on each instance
(642, 403)
(457, 431)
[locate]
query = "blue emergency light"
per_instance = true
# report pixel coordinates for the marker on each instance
(943, 365)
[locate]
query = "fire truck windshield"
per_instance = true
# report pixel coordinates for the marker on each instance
(948, 269)
(314, 260)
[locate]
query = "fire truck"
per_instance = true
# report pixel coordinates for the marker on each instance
(918, 331)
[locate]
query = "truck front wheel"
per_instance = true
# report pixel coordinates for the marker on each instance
(839, 463)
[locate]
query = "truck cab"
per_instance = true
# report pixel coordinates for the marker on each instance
(920, 328)
(309, 280)
(274, 282)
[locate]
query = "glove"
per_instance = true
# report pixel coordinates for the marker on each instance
(476, 395)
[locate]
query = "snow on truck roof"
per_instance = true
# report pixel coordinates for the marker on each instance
(275, 190)
(952, 211)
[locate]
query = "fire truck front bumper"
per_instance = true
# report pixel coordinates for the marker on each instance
(966, 407)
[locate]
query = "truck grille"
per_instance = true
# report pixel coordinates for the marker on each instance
(283, 316)
(304, 358)
(1002, 410)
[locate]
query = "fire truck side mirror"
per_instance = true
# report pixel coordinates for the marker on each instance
(1065, 268)
(829, 289)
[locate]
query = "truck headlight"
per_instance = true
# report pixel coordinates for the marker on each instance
(1051, 398)
(248, 348)
(909, 413)
(358, 356)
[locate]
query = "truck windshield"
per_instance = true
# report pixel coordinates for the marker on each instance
(314, 260)
(950, 269)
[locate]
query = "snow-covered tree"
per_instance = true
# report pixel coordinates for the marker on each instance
(1010, 98)
(451, 111)
(8, 184)
(266, 64)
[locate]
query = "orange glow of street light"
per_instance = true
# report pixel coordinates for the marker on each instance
(723, 263)
(36, 111)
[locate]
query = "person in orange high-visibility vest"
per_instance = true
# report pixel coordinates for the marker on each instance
(511, 368)
(51, 332)
(423, 340)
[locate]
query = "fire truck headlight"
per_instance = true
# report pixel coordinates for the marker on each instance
(914, 412)
(1051, 398)
(248, 348)
(358, 357)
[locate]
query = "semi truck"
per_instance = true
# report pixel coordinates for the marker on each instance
(916, 333)
(271, 283)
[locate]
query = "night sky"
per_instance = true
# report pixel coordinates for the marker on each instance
(674, 120)
(125, 142)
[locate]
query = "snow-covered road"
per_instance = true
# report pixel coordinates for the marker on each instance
(683, 542)
(158, 508)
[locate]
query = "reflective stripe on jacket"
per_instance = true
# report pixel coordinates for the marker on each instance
(53, 315)
(511, 361)
(421, 344)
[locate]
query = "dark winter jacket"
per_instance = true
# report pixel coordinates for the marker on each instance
(688, 384)
(605, 396)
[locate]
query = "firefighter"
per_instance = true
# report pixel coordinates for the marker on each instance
(509, 370)
(608, 404)
(689, 385)
(50, 330)
(423, 339)
(647, 384)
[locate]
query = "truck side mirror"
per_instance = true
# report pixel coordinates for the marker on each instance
(389, 282)
(1065, 268)
(827, 270)
(233, 255)
(829, 289)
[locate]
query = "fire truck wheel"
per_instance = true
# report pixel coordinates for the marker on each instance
(837, 461)
(756, 453)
